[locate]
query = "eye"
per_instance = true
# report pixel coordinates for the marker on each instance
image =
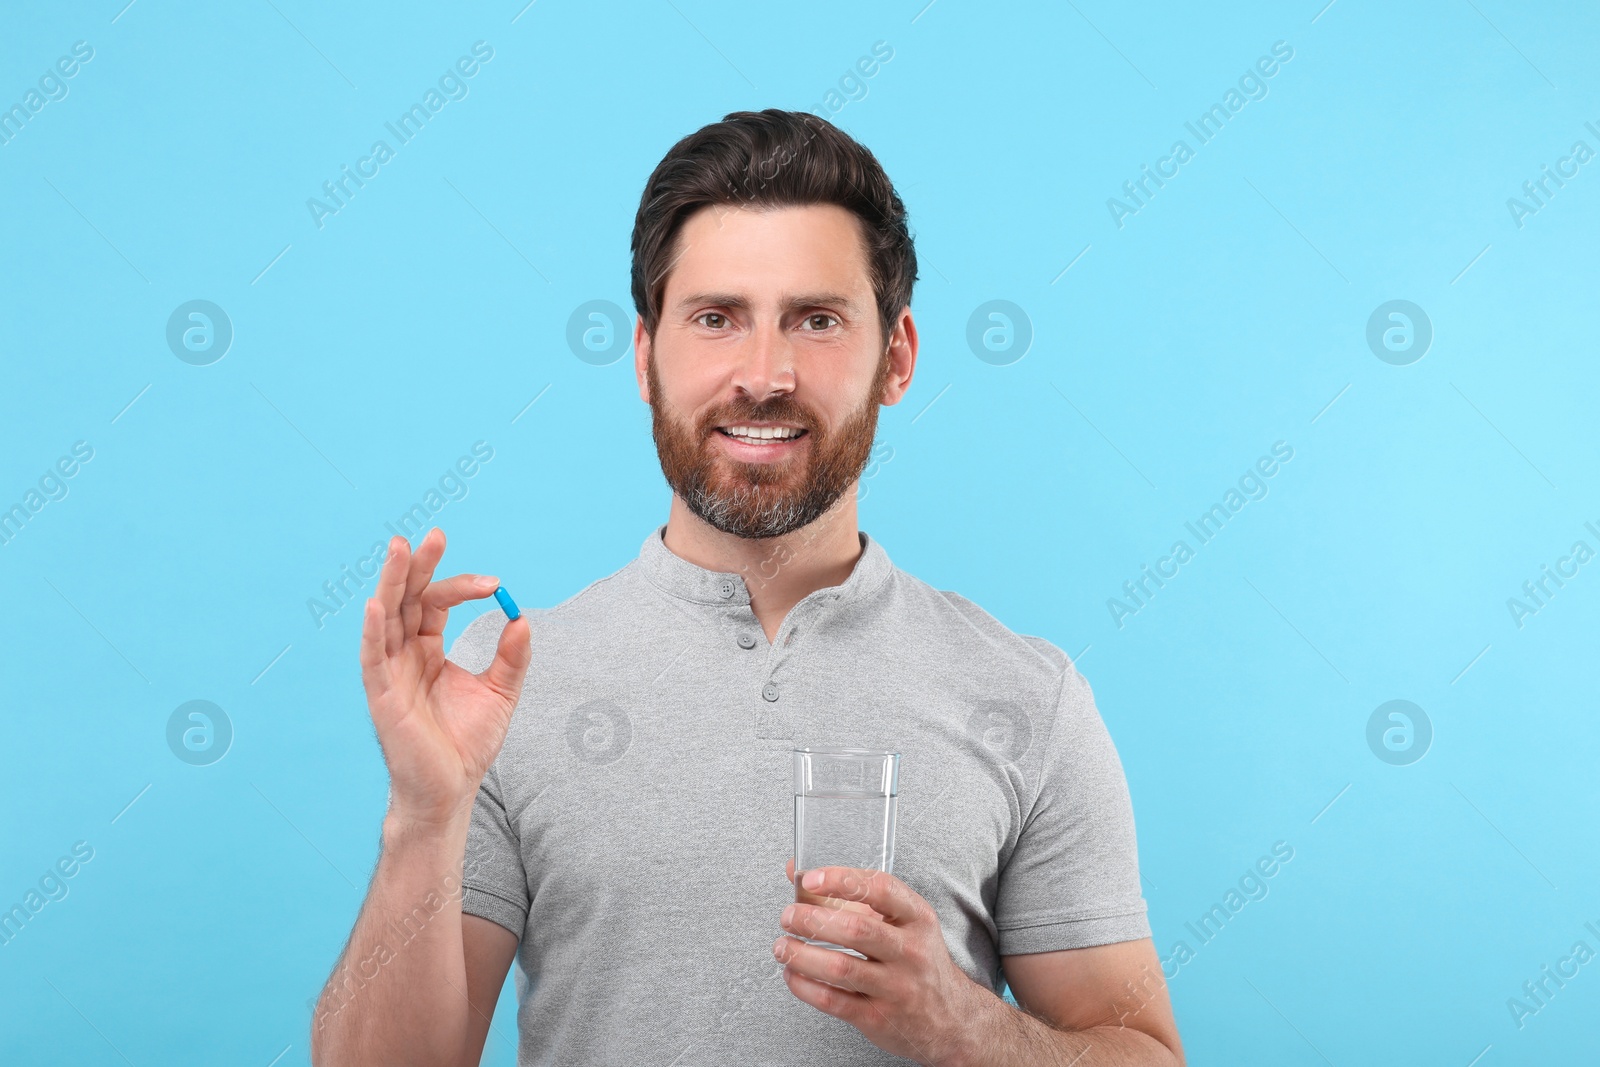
(722, 320)
(825, 318)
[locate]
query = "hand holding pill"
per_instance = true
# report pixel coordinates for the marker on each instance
(440, 726)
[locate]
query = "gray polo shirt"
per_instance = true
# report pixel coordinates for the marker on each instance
(634, 828)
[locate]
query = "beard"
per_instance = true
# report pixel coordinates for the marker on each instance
(761, 500)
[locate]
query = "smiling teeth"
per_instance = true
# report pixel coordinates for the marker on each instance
(761, 433)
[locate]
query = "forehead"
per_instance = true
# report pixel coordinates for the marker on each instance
(767, 251)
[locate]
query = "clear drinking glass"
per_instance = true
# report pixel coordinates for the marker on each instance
(844, 808)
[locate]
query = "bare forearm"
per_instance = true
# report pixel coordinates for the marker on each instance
(398, 994)
(1003, 1035)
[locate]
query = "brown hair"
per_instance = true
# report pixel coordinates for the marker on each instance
(771, 158)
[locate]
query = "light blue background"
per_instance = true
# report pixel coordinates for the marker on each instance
(1228, 314)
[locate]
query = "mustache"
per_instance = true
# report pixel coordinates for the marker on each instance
(786, 412)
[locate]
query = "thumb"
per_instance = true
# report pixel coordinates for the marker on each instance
(511, 658)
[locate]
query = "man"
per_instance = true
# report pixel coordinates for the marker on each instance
(612, 775)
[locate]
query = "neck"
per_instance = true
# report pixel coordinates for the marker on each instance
(778, 571)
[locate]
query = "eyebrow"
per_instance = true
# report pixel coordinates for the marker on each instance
(792, 303)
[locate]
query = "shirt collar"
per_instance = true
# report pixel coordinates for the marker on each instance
(690, 581)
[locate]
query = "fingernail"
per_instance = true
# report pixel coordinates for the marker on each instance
(812, 880)
(788, 915)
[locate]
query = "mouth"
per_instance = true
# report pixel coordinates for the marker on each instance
(753, 442)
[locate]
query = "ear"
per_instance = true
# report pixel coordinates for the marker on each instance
(902, 358)
(641, 358)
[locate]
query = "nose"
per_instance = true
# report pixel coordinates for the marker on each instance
(766, 363)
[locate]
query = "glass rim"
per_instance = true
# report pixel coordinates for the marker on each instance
(831, 750)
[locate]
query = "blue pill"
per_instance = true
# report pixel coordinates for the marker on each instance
(508, 605)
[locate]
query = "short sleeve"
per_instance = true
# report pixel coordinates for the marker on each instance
(494, 886)
(1072, 881)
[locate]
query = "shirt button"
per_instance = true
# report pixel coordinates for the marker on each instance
(769, 691)
(725, 589)
(747, 641)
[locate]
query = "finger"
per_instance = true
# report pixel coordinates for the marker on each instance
(866, 932)
(391, 587)
(423, 561)
(788, 871)
(446, 593)
(883, 893)
(840, 1003)
(838, 969)
(505, 674)
(374, 663)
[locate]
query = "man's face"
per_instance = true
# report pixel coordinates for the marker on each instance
(767, 366)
